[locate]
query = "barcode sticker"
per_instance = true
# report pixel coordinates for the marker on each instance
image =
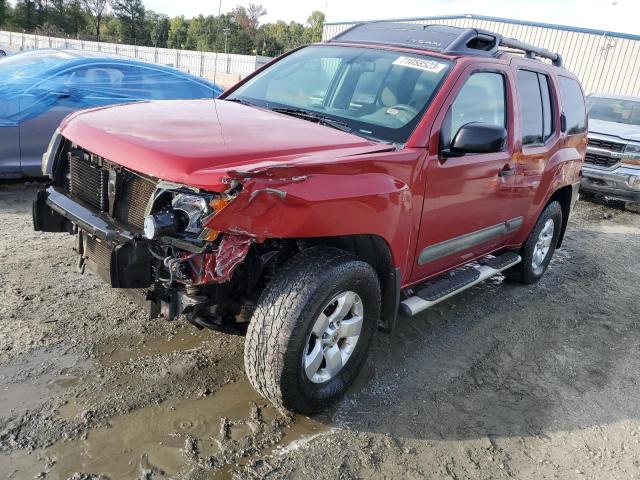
(420, 64)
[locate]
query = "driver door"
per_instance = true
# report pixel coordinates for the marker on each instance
(465, 213)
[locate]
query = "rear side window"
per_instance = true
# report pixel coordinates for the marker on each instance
(573, 105)
(535, 107)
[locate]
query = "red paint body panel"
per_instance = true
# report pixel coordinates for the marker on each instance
(196, 142)
(305, 180)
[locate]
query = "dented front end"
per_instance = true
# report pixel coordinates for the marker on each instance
(147, 236)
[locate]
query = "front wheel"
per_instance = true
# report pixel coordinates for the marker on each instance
(312, 328)
(538, 250)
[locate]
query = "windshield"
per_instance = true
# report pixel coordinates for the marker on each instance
(375, 93)
(614, 110)
(30, 64)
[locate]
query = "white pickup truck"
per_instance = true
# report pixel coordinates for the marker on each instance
(612, 164)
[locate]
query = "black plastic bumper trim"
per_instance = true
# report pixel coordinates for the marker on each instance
(84, 218)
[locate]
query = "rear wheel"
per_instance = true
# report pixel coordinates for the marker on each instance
(538, 250)
(311, 330)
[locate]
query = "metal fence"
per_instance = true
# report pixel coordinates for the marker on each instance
(204, 64)
(605, 62)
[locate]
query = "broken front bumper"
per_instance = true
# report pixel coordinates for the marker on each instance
(118, 256)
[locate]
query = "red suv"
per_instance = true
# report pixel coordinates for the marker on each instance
(380, 172)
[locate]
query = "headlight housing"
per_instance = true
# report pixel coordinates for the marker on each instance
(48, 157)
(183, 214)
(190, 209)
(631, 155)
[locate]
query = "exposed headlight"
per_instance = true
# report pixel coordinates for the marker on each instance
(631, 155)
(159, 224)
(190, 209)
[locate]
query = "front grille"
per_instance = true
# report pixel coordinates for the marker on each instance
(600, 160)
(97, 251)
(86, 177)
(606, 145)
(133, 198)
(88, 183)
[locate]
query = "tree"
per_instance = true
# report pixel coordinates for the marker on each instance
(178, 29)
(316, 26)
(76, 17)
(25, 15)
(5, 10)
(96, 9)
(158, 25)
(255, 12)
(131, 15)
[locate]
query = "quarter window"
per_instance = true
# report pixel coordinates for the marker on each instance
(535, 107)
(573, 105)
(481, 99)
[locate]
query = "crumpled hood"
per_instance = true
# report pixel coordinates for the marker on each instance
(197, 142)
(621, 130)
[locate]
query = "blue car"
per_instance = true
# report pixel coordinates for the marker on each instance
(38, 89)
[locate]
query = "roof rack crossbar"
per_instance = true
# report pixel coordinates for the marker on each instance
(440, 38)
(532, 50)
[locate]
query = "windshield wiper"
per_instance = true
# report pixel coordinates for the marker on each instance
(314, 117)
(240, 101)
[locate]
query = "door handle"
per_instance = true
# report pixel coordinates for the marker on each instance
(507, 171)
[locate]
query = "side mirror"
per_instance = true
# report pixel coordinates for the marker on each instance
(476, 137)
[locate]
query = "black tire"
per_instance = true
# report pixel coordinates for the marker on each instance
(524, 272)
(285, 314)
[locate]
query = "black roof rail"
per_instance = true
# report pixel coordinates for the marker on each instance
(439, 38)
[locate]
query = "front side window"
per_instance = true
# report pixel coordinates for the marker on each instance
(481, 99)
(573, 106)
(375, 93)
(535, 107)
(614, 110)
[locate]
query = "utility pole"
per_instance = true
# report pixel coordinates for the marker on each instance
(226, 31)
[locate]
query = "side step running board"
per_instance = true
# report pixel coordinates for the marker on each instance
(454, 282)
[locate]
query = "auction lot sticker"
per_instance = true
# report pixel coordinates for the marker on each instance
(420, 64)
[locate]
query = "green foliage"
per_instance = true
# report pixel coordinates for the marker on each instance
(127, 21)
(5, 13)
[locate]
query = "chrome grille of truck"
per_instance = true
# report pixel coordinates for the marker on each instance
(132, 201)
(600, 160)
(606, 144)
(88, 183)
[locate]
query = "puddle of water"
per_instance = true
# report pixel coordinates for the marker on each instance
(20, 465)
(157, 435)
(37, 377)
(123, 350)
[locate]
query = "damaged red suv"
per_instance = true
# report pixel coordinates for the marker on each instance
(380, 172)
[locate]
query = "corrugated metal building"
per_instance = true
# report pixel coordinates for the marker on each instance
(606, 62)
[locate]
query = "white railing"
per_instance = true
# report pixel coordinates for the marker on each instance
(204, 64)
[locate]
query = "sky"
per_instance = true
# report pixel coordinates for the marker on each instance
(612, 15)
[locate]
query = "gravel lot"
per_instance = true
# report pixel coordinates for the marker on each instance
(503, 381)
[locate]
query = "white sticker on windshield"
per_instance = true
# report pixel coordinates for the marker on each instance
(420, 64)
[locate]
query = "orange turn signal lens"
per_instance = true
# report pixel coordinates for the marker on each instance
(209, 235)
(219, 203)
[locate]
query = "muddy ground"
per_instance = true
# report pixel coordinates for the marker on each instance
(503, 381)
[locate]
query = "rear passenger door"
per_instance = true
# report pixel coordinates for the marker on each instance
(538, 127)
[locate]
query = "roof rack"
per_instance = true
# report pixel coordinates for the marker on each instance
(440, 38)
